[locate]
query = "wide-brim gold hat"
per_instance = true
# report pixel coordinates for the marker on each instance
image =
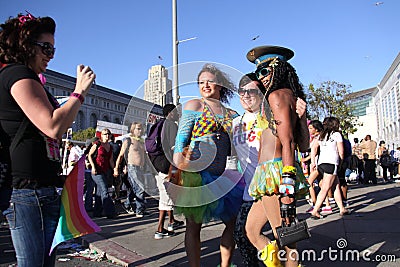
(262, 54)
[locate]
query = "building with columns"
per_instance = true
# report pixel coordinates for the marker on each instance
(102, 103)
(158, 88)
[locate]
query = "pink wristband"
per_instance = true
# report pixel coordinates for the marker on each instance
(79, 96)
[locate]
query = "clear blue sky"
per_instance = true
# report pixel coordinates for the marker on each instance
(350, 41)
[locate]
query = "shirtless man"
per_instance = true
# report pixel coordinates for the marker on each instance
(133, 150)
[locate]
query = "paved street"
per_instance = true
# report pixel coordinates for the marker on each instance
(64, 258)
(371, 234)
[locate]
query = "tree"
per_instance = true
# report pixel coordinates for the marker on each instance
(83, 135)
(329, 99)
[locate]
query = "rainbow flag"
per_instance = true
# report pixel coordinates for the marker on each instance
(74, 220)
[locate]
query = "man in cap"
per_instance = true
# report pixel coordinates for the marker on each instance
(282, 88)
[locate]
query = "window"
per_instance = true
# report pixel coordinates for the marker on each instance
(93, 120)
(80, 120)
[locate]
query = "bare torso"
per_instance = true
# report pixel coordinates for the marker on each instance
(136, 153)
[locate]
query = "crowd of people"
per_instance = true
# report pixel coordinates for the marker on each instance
(372, 159)
(199, 152)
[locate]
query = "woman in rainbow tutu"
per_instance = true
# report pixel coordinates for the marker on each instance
(209, 190)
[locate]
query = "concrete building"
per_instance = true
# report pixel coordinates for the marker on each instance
(364, 109)
(387, 103)
(378, 108)
(158, 88)
(102, 103)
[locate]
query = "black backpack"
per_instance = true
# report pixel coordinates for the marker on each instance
(354, 162)
(385, 160)
(152, 142)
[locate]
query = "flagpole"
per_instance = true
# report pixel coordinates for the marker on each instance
(175, 53)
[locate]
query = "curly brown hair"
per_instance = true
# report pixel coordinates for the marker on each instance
(227, 86)
(17, 38)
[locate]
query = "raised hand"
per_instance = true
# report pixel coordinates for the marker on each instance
(84, 79)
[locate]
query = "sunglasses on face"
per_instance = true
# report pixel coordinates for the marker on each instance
(263, 72)
(106, 133)
(47, 48)
(250, 92)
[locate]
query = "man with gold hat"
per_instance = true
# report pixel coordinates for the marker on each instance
(282, 88)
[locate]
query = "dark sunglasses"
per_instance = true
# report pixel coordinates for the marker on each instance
(106, 133)
(47, 48)
(263, 72)
(250, 92)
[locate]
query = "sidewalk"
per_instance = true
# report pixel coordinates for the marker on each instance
(372, 228)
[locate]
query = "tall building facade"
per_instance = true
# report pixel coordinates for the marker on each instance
(387, 102)
(102, 103)
(378, 108)
(363, 104)
(158, 88)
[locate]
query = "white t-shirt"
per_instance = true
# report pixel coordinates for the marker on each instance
(396, 155)
(247, 144)
(329, 149)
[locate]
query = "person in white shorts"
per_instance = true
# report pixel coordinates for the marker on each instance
(162, 164)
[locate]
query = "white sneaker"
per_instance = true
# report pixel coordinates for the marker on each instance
(175, 225)
(128, 210)
(162, 234)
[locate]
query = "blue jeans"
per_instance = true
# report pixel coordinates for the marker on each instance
(89, 186)
(136, 180)
(5, 194)
(102, 200)
(33, 216)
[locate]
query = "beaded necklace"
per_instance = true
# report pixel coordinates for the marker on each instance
(251, 128)
(218, 122)
(137, 138)
(260, 121)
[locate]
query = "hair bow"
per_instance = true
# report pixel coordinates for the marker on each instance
(27, 17)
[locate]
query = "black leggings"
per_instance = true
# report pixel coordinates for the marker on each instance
(246, 248)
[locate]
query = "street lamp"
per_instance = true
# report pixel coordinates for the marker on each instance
(175, 43)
